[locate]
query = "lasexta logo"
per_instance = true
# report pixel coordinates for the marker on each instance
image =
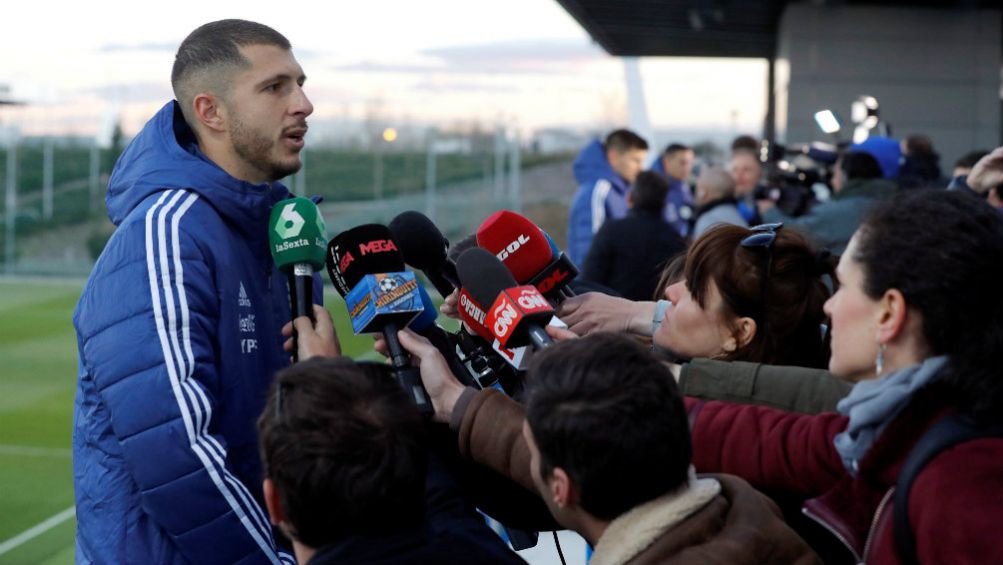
(291, 222)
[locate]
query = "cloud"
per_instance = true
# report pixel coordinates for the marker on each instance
(531, 57)
(132, 92)
(122, 47)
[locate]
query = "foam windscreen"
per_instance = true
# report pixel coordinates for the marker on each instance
(421, 243)
(517, 242)
(360, 251)
(483, 275)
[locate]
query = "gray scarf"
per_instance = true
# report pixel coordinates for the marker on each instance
(872, 404)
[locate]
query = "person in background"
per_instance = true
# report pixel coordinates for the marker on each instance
(857, 185)
(920, 166)
(715, 199)
(627, 254)
(964, 164)
(604, 172)
(676, 164)
(747, 171)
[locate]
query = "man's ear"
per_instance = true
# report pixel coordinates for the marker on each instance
(209, 111)
(272, 502)
(892, 317)
(742, 334)
(562, 489)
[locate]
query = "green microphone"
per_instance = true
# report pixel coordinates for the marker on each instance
(297, 238)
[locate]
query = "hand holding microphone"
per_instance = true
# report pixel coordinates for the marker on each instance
(297, 240)
(366, 268)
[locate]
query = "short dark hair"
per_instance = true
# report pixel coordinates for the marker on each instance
(860, 165)
(968, 160)
(623, 140)
(207, 57)
(345, 448)
(943, 250)
(745, 143)
(649, 191)
(605, 410)
(673, 148)
(796, 292)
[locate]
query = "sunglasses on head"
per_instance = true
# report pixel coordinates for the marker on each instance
(763, 236)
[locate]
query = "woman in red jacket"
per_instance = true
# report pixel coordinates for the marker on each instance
(918, 324)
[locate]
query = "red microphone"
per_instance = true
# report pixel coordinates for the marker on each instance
(517, 314)
(527, 252)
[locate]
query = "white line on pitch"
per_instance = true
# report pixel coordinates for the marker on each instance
(35, 531)
(35, 451)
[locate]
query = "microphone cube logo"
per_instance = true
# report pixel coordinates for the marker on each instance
(291, 224)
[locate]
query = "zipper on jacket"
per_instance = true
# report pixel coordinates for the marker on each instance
(875, 519)
(842, 539)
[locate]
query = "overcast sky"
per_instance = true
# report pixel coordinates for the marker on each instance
(524, 63)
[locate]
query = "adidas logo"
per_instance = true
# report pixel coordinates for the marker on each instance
(242, 299)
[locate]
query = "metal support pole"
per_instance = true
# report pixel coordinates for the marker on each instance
(95, 175)
(430, 163)
(11, 208)
(514, 179)
(47, 163)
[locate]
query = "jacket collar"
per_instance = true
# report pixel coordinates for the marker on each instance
(639, 527)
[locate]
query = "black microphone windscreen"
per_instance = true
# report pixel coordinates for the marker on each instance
(360, 251)
(421, 243)
(483, 275)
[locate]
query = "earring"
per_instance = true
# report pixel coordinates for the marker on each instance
(879, 362)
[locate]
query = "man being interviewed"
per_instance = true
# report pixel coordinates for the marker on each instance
(179, 325)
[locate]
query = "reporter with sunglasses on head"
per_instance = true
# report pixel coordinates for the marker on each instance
(746, 295)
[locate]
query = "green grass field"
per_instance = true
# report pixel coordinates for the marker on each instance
(38, 367)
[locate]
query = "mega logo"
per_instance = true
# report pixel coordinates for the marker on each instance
(530, 299)
(552, 280)
(377, 246)
(512, 247)
(473, 310)
(504, 315)
(346, 260)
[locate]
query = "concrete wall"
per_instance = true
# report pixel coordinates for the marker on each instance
(933, 71)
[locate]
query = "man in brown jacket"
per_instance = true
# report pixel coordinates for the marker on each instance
(604, 439)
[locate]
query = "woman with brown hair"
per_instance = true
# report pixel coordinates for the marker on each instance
(747, 294)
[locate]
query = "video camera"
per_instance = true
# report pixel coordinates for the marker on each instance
(795, 177)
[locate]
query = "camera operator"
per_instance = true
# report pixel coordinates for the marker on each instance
(857, 184)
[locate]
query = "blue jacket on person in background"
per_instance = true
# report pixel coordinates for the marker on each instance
(602, 195)
(178, 330)
(679, 208)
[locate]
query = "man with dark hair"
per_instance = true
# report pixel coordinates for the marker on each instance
(605, 442)
(179, 325)
(858, 183)
(627, 254)
(604, 172)
(346, 468)
(676, 165)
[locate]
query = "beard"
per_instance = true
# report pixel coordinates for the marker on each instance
(257, 149)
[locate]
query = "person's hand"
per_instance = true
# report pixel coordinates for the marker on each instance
(988, 172)
(442, 386)
(597, 312)
(558, 333)
(320, 340)
(449, 307)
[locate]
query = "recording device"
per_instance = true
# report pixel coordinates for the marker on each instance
(517, 314)
(367, 269)
(297, 240)
(528, 253)
(425, 248)
(795, 175)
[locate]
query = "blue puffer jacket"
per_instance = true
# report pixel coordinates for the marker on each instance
(178, 330)
(601, 196)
